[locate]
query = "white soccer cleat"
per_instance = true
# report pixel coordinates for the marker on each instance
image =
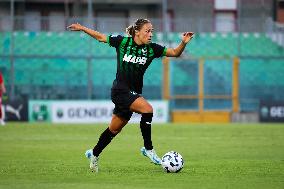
(151, 154)
(94, 160)
(2, 122)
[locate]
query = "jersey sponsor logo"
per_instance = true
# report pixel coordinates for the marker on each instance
(15, 111)
(135, 59)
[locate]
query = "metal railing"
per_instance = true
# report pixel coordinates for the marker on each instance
(102, 24)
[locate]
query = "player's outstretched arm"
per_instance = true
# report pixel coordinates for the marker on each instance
(95, 34)
(176, 52)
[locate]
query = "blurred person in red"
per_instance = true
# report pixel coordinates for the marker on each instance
(2, 91)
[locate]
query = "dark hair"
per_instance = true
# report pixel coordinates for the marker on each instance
(130, 30)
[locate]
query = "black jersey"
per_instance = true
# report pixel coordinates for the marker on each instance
(132, 61)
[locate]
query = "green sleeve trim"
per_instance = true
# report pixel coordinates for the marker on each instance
(108, 39)
(164, 52)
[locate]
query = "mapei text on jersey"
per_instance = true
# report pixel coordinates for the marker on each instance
(134, 59)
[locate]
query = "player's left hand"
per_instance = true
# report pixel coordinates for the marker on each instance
(75, 27)
(187, 36)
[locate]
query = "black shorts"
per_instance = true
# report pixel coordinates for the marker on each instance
(122, 100)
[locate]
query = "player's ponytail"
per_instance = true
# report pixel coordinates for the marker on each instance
(130, 30)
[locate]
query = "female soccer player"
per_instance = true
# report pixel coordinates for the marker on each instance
(134, 54)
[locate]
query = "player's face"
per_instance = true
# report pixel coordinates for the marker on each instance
(145, 33)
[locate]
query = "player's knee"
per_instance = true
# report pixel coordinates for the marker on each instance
(148, 109)
(115, 131)
(146, 118)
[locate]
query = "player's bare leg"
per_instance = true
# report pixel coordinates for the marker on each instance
(116, 124)
(142, 106)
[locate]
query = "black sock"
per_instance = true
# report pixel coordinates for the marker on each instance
(145, 127)
(104, 140)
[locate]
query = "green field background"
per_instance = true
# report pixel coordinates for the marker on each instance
(216, 156)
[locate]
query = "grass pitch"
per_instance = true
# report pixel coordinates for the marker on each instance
(216, 156)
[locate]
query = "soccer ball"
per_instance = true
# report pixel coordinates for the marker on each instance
(172, 162)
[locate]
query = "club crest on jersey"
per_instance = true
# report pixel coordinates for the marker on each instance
(135, 59)
(144, 51)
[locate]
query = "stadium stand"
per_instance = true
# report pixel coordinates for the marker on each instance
(204, 44)
(60, 60)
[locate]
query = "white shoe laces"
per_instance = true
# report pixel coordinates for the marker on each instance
(94, 163)
(153, 154)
